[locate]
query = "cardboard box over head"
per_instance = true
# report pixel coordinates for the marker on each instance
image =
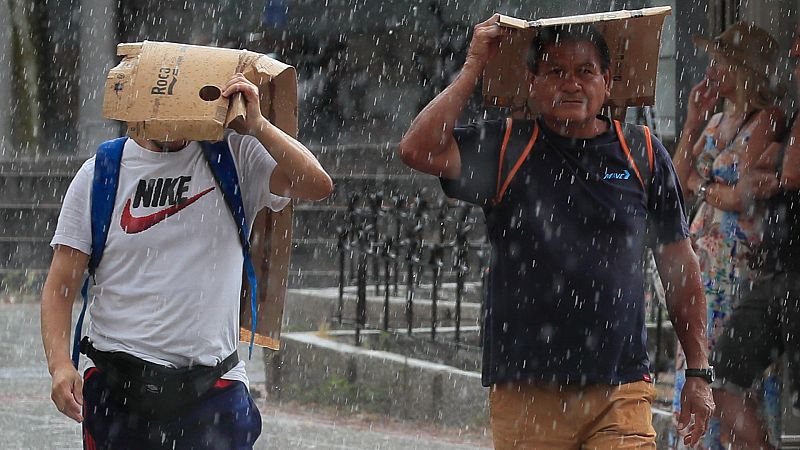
(172, 92)
(633, 37)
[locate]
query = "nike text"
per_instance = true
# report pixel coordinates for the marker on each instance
(161, 191)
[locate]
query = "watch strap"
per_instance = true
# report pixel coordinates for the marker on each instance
(706, 374)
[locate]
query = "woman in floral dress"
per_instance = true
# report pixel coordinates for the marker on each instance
(710, 160)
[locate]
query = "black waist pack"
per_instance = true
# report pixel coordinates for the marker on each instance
(152, 390)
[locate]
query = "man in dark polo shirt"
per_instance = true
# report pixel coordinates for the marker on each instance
(564, 351)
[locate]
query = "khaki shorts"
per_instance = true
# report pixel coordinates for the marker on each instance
(549, 416)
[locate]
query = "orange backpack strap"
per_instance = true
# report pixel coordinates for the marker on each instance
(637, 144)
(513, 153)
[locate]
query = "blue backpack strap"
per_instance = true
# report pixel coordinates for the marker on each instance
(220, 159)
(104, 193)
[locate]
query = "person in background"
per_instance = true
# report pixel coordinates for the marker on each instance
(712, 156)
(765, 325)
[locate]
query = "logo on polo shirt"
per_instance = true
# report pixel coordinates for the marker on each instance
(624, 175)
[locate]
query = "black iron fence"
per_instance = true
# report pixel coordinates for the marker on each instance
(404, 239)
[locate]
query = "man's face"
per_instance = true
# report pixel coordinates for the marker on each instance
(570, 85)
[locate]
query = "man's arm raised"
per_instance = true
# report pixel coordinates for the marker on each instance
(298, 174)
(428, 145)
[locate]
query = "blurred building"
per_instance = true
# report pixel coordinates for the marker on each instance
(365, 67)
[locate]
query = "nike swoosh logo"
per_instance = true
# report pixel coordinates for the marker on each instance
(132, 224)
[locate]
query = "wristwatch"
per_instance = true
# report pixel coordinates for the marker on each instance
(706, 374)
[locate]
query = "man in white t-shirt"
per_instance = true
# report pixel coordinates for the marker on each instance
(167, 290)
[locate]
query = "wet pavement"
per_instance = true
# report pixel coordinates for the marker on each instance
(28, 420)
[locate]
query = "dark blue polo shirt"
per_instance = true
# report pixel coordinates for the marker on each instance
(566, 283)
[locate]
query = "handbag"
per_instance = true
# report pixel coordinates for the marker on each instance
(148, 389)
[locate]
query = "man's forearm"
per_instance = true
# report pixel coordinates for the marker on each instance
(431, 130)
(305, 174)
(56, 324)
(691, 333)
(686, 301)
(58, 294)
(686, 304)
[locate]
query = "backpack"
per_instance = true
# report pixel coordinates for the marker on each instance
(515, 150)
(104, 193)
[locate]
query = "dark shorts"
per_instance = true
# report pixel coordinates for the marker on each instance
(764, 325)
(225, 418)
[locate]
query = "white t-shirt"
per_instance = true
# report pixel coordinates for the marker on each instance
(167, 288)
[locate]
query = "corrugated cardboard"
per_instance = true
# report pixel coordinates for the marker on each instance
(171, 92)
(634, 39)
(271, 244)
(157, 90)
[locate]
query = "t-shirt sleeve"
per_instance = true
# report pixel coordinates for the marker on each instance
(74, 228)
(667, 217)
(479, 146)
(255, 165)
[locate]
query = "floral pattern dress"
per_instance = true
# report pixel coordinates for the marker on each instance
(724, 242)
